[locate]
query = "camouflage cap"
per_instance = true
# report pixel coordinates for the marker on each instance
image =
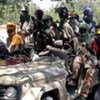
(83, 43)
(83, 25)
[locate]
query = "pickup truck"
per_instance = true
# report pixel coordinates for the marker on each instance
(42, 79)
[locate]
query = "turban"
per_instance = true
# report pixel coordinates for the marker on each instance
(11, 26)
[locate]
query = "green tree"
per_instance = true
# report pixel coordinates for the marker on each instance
(10, 9)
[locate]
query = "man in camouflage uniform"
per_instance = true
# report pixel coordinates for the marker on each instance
(82, 36)
(83, 71)
(83, 65)
(51, 28)
(67, 30)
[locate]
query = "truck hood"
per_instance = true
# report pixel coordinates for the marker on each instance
(43, 69)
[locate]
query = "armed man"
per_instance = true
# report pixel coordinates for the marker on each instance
(84, 64)
(67, 30)
(68, 33)
(40, 36)
(24, 24)
(88, 18)
(83, 71)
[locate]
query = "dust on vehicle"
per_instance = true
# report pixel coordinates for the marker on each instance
(37, 80)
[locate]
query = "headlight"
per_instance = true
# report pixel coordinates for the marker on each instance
(11, 92)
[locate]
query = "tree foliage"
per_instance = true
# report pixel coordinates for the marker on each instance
(78, 8)
(10, 9)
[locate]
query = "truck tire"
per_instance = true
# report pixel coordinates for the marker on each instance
(47, 98)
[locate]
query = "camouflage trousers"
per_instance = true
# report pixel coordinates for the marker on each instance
(88, 72)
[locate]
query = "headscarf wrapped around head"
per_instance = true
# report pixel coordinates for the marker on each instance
(11, 26)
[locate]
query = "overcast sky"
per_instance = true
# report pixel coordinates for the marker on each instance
(44, 4)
